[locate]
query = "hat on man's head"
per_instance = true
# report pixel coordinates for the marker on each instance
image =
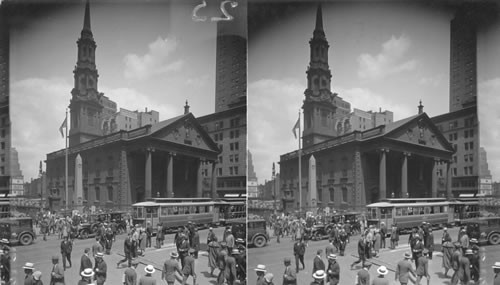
(496, 265)
(319, 274)
(332, 256)
(4, 240)
(174, 254)
(457, 244)
(149, 269)
(425, 251)
(87, 272)
(368, 264)
(269, 277)
(29, 266)
(473, 240)
(191, 250)
(261, 268)
(407, 255)
(468, 251)
(134, 261)
(382, 270)
(55, 257)
(287, 260)
(235, 251)
(99, 254)
(37, 275)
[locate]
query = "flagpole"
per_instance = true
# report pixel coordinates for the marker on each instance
(300, 171)
(66, 162)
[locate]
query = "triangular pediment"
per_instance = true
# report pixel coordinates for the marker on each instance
(185, 130)
(419, 130)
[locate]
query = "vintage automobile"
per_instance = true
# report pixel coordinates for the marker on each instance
(257, 233)
(484, 229)
(17, 230)
(319, 232)
(90, 227)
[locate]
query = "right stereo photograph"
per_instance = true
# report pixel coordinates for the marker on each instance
(373, 142)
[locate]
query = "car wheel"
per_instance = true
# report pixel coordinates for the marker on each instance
(259, 241)
(494, 238)
(84, 234)
(26, 239)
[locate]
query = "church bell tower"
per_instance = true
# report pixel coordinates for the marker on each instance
(86, 101)
(319, 107)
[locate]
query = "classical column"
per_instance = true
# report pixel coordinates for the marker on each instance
(149, 162)
(448, 180)
(170, 175)
(404, 175)
(434, 178)
(199, 178)
(383, 175)
(214, 180)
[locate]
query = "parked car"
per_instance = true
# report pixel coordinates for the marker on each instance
(484, 229)
(17, 230)
(319, 232)
(257, 233)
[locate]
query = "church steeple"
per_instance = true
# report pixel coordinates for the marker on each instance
(318, 31)
(86, 101)
(319, 106)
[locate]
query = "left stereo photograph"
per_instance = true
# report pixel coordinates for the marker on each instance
(123, 141)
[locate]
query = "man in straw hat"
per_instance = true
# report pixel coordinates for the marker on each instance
(260, 270)
(289, 276)
(100, 269)
(496, 270)
(148, 279)
(130, 275)
(230, 270)
(380, 279)
(423, 267)
(403, 270)
(333, 271)
(188, 268)
(57, 274)
(87, 275)
(28, 270)
(319, 277)
(170, 267)
(268, 279)
(363, 276)
(37, 278)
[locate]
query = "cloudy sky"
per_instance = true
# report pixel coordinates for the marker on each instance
(150, 55)
(386, 56)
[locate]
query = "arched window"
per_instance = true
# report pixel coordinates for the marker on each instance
(347, 126)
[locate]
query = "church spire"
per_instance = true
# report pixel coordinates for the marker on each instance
(318, 31)
(86, 31)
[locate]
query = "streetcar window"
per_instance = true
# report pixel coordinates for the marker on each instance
(399, 212)
(164, 211)
(210, 208)
(410, 211)
(175, 210)
(427, 210)
(201, 209)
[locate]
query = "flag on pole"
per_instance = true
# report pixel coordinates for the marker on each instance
(63, 126)
(297, 125)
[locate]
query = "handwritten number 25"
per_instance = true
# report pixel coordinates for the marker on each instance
(226, 17)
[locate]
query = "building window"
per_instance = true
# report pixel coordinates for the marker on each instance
(455, 136)
(450, 137)
(220, 147)
(454, 159)
(332, 194)
(110, 193)
(97, 193)
(466, 145)
(3, 145)
(237, 133)
(86, 193)
(470, 170)
(236, 158)
(236, 170)
(220, 159)
(320, 194)
(219, 171)
(344, 194)
(3, 133)
(471, 145)
(231, 158)
(231, 170)
(471, 156)
(2, 170)
(466, 157)
(465, 170)
(454, 171)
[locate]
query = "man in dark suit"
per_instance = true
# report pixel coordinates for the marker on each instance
(57, 274)
(66, 248)
(318, 263)
(299, 249)
(130, 275)
(333, 272)
(188, 268)
(423, 267)
(85, 261)
(403, 270)
(230, 270)
(289, 277)
(100, 269)
(127, 250)
(361, 252)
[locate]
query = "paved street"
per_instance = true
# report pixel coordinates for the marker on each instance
(40, 254)
(273, 254)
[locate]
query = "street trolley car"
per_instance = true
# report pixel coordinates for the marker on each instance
(464, 209)
(409, 213)
(231, 209)
(173, 215)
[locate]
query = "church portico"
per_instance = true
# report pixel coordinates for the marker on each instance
(365, 167)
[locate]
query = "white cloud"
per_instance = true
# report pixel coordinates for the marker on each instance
(366, 100)
(37, 108)
(489, 119)
(158, 60)
(432, 80)
(390, 60)
(273, 107)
